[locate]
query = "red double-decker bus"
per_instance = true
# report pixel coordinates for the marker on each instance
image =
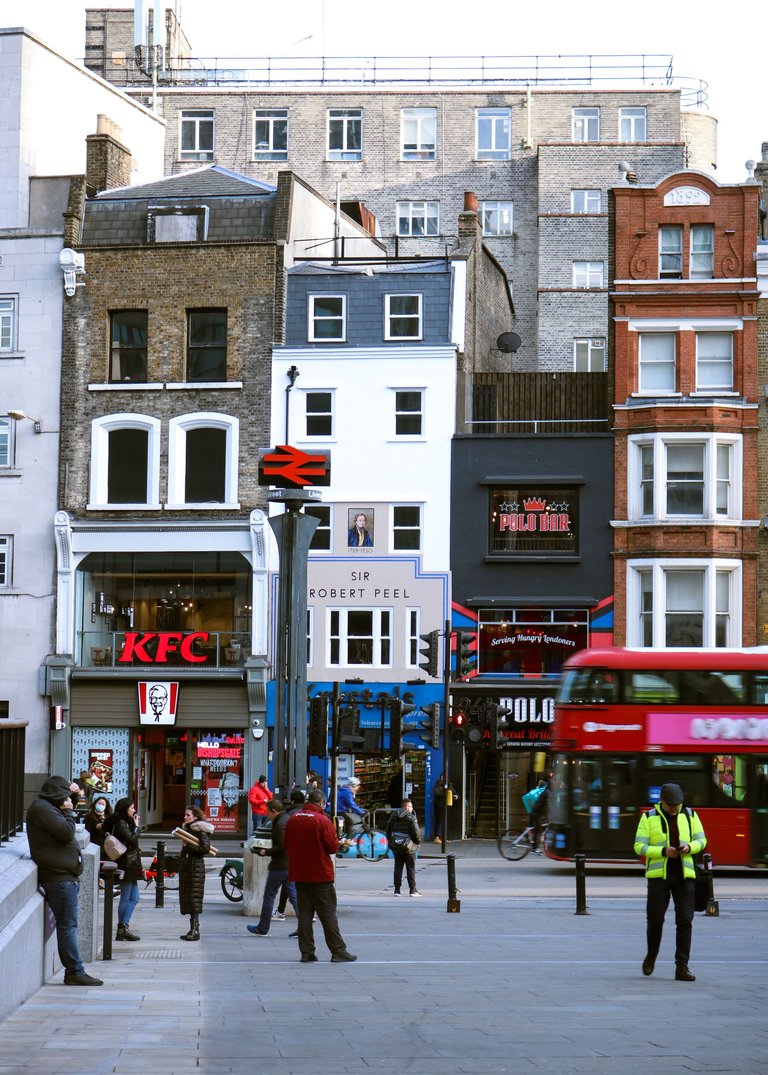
(629, 720)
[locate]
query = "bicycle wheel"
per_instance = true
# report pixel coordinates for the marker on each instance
(514, 845)
(232, 884)
(171, 882)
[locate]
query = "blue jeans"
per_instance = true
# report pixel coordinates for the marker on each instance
(275, 881)
(62, 899)
(129, 897)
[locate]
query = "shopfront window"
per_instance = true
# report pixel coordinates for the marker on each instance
(529, 641)
(140, 609)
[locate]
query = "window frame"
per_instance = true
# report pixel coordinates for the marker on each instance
(6, 561)
(381, 636)
(116, 350)
(197, 117)
(178, 428)
(658, 571)
(591, 274)
(317, 510)
(98, 489)
(348, 118)
(195, 349)
(410, 211)
(306, 392)
(659, 479)
(271, 116)
(7, 442)
(399, 412)
(496, 118)
(9, 323)
(633, 119)
(668, 251)
(586, 191)
(313, 318)
(500, 207)
(699, 253)
(422, 148)
(395, 529)
(649, 363)
(390, 318)
(595, 345)
(582, 121)
(713, 390)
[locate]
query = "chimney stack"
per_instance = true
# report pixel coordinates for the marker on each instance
(107, 160)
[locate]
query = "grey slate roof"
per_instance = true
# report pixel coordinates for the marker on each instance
(210, 181)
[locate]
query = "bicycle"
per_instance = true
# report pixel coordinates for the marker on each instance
(514, 844)
(170, 876)
(370, 844)
(232, 880)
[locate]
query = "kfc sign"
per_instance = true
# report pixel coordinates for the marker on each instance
(158, 703)
(154, 647)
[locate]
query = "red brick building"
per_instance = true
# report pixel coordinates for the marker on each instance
(686, 413)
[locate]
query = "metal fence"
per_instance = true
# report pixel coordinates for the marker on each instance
(12, 738)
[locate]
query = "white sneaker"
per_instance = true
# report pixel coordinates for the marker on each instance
(278, 916)
(415, 893)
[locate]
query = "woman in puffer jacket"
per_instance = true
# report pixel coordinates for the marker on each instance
(192, 869)
(124, 826)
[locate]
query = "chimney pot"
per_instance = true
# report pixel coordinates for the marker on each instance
(470, 202)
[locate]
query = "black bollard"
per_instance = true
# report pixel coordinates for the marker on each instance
(454, 904)
(713, 905)
(108, 871)
(160, 874)
(580, 861)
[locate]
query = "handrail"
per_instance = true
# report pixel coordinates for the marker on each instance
(12, 742)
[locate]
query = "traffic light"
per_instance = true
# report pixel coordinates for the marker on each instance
(317, 743)
(458, 726)
(431, 726)
(398, 710)
(496, 718)
(430, 653)
(465, 653)
(351, 739)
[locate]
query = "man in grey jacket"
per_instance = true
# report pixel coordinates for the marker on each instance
(51, 823)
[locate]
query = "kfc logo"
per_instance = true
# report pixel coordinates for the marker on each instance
(158, 703)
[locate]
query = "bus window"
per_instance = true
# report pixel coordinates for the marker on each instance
(652, 687)
(761, 688)
(591, 686)
(711, 688)
(729, 775)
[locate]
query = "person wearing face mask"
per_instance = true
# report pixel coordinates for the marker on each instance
(98, 813)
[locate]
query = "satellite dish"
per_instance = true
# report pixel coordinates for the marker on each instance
(509, 342)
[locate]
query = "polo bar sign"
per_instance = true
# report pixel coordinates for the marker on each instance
(523, 520)
(158, 703)
(155, 647)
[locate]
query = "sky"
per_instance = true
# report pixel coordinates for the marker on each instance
(697, 36)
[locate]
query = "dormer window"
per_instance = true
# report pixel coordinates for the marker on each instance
(177, 223)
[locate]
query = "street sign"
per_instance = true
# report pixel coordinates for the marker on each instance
(288, 467)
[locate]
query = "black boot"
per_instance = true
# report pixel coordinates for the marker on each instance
(128, 935)
(120, 935)
(194, 930)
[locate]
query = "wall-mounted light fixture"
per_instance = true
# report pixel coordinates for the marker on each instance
(20, 416)
(72, 265)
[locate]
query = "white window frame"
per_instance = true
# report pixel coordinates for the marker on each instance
(591, 199)
(585, 124)
(100, 430)
(316, 390)
(412, 637)
(380, 637)
(722, 360)
(7, 442)
(313, 319)
(9, 306)
(498, 122)
(595, 346)
(310, 637)
(6, 560)
(658, 569)
(666, 390)
(390, 317)
(407, 413)
(271, 116)
(348, 118)
(309, 510)
(395, 529)
(588, 274)
(702, 255)
(713, 482)
(177, 459)
(418, 134)
(668, 269)
(197, 117)
(633, 124)
(413, 212)
(497, 217)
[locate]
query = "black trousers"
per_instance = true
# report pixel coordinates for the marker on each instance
(318, 897)
(409, 862)
(684, 897)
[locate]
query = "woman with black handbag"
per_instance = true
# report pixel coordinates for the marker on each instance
(192, 869)
(124, 826)
(404, 837)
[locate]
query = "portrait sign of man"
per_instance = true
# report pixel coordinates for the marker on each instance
(360, 532)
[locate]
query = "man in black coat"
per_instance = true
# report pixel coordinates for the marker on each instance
(403, 822)
(51, 824)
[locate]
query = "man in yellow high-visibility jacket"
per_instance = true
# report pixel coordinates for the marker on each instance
(667, 839)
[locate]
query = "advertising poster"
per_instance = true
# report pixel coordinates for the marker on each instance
(220, 760)
(100, 764)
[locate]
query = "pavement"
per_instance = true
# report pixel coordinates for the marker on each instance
(515, 982)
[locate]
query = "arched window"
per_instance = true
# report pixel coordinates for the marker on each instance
(202, 460)
(125, 462)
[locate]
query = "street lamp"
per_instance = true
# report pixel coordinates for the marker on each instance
(20, 416)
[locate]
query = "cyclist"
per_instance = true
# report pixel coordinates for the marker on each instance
(539, 814)
(348, 808)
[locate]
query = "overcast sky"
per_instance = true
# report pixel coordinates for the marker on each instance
(725, 55)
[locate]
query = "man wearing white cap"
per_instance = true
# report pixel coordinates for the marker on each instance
(668, 837)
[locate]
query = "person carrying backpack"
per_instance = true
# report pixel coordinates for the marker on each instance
(668, 837)
(404, 837)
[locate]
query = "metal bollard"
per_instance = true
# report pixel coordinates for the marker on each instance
(580, 861)
(160, 874)
(108, 871)
(454, 904)
(713, 905)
